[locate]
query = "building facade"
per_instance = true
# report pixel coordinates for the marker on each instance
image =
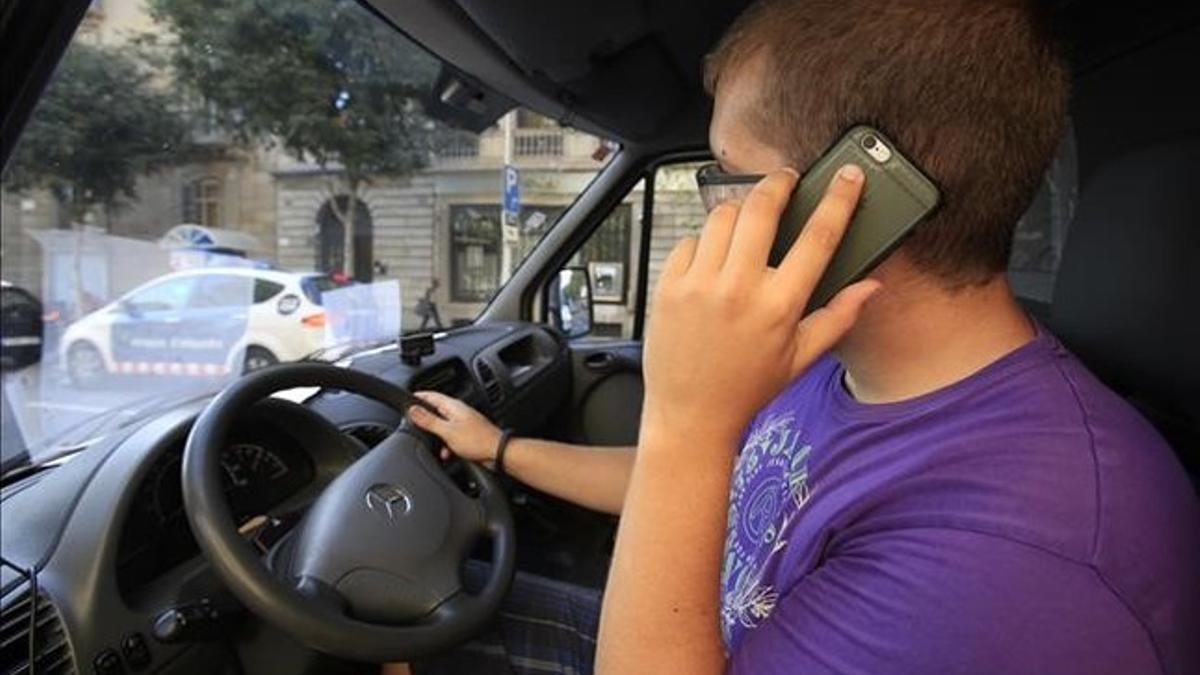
(440, 230)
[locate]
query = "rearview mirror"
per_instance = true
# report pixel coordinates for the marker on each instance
(569, 301)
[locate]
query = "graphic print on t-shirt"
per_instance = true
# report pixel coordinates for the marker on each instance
(767, 490)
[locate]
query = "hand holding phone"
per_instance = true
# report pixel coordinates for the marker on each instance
(896, 197)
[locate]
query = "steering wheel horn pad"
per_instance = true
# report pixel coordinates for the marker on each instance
(373, 570)
(388, 534)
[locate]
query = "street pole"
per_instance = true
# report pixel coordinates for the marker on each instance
(506, 221)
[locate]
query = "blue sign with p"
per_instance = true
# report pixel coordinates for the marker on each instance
(512, 189)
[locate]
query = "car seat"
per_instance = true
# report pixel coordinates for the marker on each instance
(1127, 296)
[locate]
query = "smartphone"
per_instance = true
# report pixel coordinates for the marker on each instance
(895, 198)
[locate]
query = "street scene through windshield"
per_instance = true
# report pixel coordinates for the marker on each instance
(189, 202)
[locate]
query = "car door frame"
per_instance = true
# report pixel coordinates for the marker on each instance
(606, 373)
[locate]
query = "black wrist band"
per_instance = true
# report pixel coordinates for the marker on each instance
(501, 446)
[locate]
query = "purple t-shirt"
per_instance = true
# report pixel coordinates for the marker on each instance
(1023, 520)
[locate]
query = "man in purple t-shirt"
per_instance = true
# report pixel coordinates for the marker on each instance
(1022, 520)
(927, 482)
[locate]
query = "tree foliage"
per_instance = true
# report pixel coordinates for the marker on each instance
(327, 80)
(100, 124)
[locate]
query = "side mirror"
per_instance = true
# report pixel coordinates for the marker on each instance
(569, 301)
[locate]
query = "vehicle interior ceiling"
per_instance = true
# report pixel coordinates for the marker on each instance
(1123, 299)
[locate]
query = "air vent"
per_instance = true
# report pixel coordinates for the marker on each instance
(369, 434)
(51, 650)
(447, 379)
(491, 385)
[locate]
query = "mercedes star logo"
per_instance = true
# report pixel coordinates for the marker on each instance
(389, 500)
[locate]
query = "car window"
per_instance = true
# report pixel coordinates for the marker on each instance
(607, 261)
(610, 259)
(1041, 233)
(222, 290)
(164, 296)
(14, 300)
(155, 149)
(265, 290)
(315, 287)
(677, 212)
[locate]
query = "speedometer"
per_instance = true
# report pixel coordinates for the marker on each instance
(259, 473)
(250, 464)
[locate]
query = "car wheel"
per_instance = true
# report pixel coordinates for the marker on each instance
(258, 358)
(85, 364)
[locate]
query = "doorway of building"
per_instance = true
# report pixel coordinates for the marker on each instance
(331, 251)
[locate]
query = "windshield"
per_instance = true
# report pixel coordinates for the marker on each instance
(210, 187)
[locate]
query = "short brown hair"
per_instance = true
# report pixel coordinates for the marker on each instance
(974, 91)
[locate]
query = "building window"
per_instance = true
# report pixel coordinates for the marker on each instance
(476, 241)
(474, 252)
(202, 202)
(606, 256)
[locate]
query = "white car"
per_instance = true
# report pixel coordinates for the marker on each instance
(201, 322)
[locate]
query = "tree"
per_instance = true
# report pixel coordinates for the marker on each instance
(99, 126)
(324, 79)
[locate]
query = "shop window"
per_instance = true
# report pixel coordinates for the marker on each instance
(474, 252)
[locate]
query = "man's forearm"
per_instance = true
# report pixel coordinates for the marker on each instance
(590, 476)
(661, 605)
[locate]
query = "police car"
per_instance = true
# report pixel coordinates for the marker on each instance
(201, 322)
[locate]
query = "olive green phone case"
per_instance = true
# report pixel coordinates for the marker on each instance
(896, 197)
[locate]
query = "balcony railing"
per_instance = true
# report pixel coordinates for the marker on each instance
(465, 147)
(538, 143)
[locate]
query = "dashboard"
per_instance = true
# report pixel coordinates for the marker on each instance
(104, 540)
(261, 468)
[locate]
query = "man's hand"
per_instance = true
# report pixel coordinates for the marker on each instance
(466, 432)
(592, 477)
(726, 333)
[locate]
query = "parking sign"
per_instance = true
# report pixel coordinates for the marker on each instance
(512, 189)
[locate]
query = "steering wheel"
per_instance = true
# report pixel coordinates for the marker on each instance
(372, 571)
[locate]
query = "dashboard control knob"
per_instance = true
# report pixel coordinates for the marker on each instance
(108, 662)
(196, 622)
(135, 651)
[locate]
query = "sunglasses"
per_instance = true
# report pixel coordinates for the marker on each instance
(715, 186)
